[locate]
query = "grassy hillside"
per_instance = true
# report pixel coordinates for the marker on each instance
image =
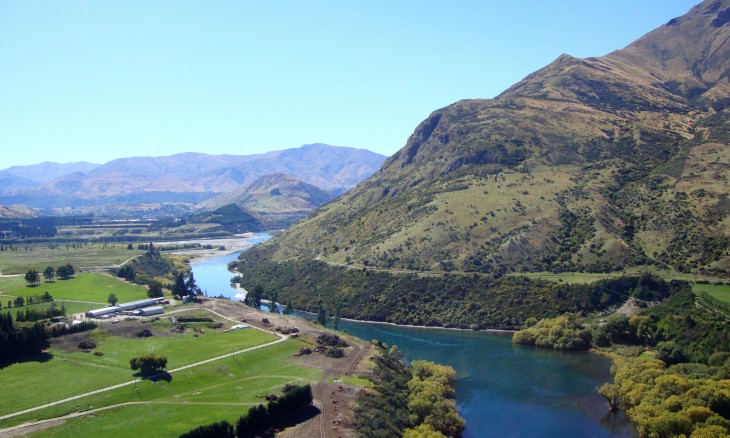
(592, 165)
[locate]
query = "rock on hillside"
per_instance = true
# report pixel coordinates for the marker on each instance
(587, 164)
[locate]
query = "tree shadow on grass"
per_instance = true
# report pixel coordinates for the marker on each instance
(37, 357)
(156, 377)
(300, 416)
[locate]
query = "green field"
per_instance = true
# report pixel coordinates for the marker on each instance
(220, 390)
(71, 373)
(721, 292)
(38, 256)
(84, 287)
(71, 307)
(11, 283)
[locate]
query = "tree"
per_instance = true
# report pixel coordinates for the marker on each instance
(289, 309)
(155, 289)
(148, 364)
(49, 274)
(66, 271)
(610, 391)
(338, 307)
(32, 277)
(273, 306)
(258, 293)
(178, 287)
(19, 302)
(190, 285)
(127, 272)
(112, 299)
(322, 315)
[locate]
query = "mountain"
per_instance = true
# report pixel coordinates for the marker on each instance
(188, 177)
(587, 164)
(11, 183)
(16, 212)
(47, 171)
(278, 199)
(232, 218)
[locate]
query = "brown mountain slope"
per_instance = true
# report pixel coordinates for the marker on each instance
(16, 212)
(278, 199)
(587, 164)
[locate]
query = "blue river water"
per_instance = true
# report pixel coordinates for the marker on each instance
(503, 390)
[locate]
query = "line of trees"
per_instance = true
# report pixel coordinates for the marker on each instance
(35, 299)
(20, 341)
(56, 330)
(34, 314)
(259, 418)
(33, 277)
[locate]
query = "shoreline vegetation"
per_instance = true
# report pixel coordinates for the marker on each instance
(452, 301)
(671, 362)
(412, 401)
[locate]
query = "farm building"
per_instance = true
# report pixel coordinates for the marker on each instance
(96, 313)
(123, 307)
(149, 311)
(134, 305)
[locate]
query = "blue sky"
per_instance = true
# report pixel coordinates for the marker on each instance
(98, 80)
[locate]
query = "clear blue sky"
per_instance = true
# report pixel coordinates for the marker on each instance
(98, 80)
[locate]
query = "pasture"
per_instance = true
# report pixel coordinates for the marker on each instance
(90, 287)
(221, 390)
(67, 370)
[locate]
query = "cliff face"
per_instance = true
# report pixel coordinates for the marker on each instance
(587, 164)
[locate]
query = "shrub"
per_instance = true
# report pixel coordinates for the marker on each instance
(87, 345)
(335, 352)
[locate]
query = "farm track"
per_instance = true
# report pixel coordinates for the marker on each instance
(27, 428)
(121, 385)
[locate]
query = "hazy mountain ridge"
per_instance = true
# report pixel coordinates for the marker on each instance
(47, 171)
(181, 174)
(587, 164)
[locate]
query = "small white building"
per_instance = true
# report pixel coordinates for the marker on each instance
(237, 327)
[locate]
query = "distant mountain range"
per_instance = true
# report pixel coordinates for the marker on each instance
(590, 164)
(188, 177)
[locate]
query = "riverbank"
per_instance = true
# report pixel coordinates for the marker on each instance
(423, 326)
(199, 254)
(553, 391)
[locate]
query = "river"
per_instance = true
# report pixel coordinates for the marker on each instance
(503, 390)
